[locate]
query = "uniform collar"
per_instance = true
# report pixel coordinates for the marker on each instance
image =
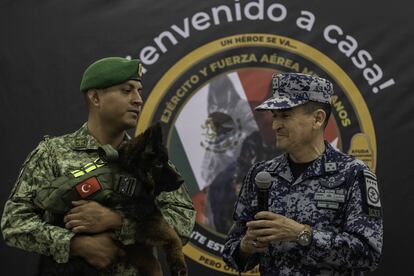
(281, 168)
(83, 140)
(323, 165)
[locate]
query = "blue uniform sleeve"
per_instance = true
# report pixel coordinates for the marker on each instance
(358, 244)
(244, 211)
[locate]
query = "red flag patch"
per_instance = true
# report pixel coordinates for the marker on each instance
(88, 187)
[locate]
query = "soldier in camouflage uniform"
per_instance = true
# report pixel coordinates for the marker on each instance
(112, 88)
(324, 211)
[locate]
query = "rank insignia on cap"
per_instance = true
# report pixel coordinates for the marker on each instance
(139, 72)
(330, 167)
(275, 81)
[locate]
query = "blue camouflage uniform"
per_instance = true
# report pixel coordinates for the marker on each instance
(336, 195)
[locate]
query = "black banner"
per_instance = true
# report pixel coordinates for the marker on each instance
(190, 50)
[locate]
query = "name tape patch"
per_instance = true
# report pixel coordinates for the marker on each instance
(330, 195)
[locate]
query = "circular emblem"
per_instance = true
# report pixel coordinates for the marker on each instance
(373, 195)
(206, 102)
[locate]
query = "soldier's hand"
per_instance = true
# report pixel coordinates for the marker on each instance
(91, 217)
(250, 245)
(98, 250)
(270, 227)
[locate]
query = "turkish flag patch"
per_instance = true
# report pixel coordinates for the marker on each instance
(88, 187)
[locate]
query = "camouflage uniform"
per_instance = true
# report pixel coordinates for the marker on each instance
(24, 224)
(336, 195)
(294, 89)
(330, 196)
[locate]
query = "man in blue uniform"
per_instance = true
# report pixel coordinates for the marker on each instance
(324, 212)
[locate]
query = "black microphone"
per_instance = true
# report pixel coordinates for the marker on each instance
(263, 181)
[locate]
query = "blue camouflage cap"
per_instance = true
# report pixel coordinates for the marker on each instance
(293, 89)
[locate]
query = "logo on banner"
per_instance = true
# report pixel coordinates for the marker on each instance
(206, 103)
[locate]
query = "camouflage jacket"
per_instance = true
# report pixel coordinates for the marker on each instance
(337, 196)
(23, 223)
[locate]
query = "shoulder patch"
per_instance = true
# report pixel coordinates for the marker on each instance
(371, 188)
(371, 194)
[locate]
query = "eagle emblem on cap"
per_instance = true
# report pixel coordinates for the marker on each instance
(139, 71)
(275, 85)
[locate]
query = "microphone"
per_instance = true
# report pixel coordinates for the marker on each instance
(263, 181)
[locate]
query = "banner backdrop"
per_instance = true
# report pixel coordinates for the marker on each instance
(207, 64)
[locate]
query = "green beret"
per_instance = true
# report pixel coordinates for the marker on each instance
(110, 71)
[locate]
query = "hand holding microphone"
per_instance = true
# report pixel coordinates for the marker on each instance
(263, 182)
(249, 243)
(268, 226)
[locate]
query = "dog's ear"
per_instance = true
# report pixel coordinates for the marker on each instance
(148, 136)
(157, 143)
(156, 135)
(157, 130)
(132, 152)
(138, 144)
